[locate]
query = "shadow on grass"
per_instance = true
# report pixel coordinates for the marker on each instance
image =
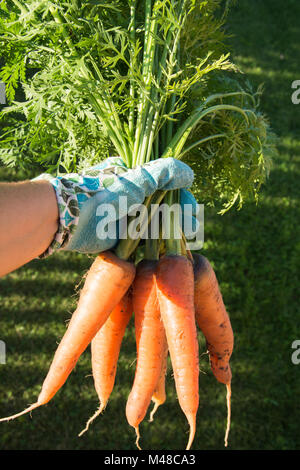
(266, 46)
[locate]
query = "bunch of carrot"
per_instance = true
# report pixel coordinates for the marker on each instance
(168, 297)
(143, 81)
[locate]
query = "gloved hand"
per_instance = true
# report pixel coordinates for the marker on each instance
(190, 213)
(80, 195)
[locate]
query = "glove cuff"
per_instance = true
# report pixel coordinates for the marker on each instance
(66, 193)
(73, 191)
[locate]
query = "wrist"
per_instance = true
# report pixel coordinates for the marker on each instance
(48, 221)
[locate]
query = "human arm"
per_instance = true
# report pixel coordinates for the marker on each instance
(28, 222)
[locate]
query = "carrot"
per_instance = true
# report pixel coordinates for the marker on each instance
(175, 291)
(150, 340)
(214, 322)
(105, 349)
(159, 395)
(106, 283)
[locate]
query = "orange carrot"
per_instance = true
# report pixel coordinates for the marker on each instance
(175, 291)
(106, 283)
(150, 339)
(105, 349)
(159, 394)
(214, 322)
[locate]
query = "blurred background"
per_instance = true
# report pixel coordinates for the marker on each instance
(256, 255)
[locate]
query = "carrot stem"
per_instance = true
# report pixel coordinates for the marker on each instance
(151, 249)
(126, 247)
(173, 243)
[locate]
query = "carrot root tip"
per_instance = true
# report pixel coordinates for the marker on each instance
(192, 422)
(228, 399)
(137, 432)
(92, 418)
(156, 405)
(27, 410)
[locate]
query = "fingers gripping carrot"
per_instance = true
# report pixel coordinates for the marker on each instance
(106, 283)
(150, 338)
(175, 290)
(214, 322)
(105, 349)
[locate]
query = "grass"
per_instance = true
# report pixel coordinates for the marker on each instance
(256, 254)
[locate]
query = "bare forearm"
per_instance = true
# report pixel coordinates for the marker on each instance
(28, 222)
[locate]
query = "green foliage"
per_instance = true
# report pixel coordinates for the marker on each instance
(51, 127)
(231, 154)
(131, 78)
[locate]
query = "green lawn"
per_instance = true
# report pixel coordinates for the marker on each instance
(256, 255)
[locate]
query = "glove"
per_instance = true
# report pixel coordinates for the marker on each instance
(191, 216)
(79, 196)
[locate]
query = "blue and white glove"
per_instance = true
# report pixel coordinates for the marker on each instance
(80, 195)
